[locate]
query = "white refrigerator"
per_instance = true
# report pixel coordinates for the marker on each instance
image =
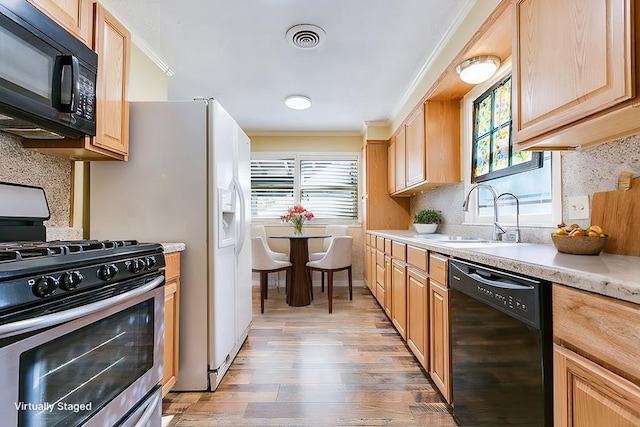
(187, 180)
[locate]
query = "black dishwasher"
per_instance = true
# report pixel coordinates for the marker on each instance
(501, 347)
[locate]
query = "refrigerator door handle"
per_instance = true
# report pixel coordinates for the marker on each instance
(240, 225)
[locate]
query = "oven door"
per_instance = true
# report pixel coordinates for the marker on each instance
(92, 370)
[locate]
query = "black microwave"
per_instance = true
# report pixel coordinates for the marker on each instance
(47, 76)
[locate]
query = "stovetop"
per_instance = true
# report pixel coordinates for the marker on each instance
(39, 271)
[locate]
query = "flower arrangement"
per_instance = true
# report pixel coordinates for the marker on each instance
(297, 215)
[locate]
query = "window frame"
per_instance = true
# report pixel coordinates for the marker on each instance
(466, 131)
(536, 157)
(297, 192)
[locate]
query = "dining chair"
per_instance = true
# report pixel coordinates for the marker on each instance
(259, 231)
(263, 263)
(337, 258)
(333, 231)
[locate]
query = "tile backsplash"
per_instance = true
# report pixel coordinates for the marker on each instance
(20, 166)
(584, 172)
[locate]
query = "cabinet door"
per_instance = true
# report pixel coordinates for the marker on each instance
(399, 297)
(400, 144)
(391, 168)
(380, 290)
(586, 394)
(417, 315)
(415, 146)
(112, 42)
(367, 260)
(442, 141)
(73, 15)
(439, 338)
(388, 294)
(373, 271)
(171, 321)
(571, 59)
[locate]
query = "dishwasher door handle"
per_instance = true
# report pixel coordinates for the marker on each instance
(504, 283)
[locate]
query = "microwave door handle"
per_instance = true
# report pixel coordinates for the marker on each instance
(65, 87)
(32, 324)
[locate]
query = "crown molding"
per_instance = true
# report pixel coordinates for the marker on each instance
(310, 133)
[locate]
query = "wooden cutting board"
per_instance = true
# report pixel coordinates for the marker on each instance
(618, 213)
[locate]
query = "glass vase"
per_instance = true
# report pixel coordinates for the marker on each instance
(297, 228)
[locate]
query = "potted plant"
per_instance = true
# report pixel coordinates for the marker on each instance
(427, 220)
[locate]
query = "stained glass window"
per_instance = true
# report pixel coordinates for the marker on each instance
(493, 153)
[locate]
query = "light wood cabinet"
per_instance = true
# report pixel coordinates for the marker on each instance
(575, 85)
(431, 155)
(380, 276)
(367, 262)
(112, 43)
(587, 394)
(596, 359)
(72, 15)
(381, 211)
(400, 144)
(171, 321)
(399, 297)
(414, 146)
(439, 325)
(418, 315)
(388, 295)
(391, 166)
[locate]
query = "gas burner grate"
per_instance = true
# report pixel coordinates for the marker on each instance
(15, 251)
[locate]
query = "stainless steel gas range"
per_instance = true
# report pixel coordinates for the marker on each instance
(81, 324)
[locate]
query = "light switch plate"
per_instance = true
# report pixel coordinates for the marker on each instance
(578, 207)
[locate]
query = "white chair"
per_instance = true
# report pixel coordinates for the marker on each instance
(333, 231)
(259, 231)
(261, 262)
(337, 258)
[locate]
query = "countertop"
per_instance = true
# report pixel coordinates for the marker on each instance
(173, 247)
(615, 276)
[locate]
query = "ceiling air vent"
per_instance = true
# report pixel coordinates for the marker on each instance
(306, 36)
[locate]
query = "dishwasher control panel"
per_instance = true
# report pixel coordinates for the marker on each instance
(514, 295)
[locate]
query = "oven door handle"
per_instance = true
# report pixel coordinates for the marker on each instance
(28, 325)
(148, 413)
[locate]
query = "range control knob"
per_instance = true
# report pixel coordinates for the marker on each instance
(45, 286)
(70, 280)
(150, 262)
(136, 266)
(107, 272)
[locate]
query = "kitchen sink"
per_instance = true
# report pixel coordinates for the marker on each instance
(445, 238)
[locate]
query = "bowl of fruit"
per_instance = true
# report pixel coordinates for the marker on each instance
(573, 239)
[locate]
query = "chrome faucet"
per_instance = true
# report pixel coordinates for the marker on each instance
(517, 230)
(497, 230)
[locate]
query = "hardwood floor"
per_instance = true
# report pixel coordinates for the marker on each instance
(302, 366)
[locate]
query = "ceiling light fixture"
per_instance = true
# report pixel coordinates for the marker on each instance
(478, 69)
(297, 102)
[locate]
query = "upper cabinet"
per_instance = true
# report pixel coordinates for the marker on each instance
(112, 42)
(573, 75)
(73, 15)
(430, 151)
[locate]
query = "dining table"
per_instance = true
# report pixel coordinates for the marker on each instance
(299, 293)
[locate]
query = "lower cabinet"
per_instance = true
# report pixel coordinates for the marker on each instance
(171, 321)
(418, 315)
(399, 297)
(439, 338)
(586, 394)
(439, 325)
(388, 294)
(596, 359)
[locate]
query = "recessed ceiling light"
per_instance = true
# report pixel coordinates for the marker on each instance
(297, 102)
(479, 69)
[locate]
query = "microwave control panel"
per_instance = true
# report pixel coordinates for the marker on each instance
(85, 106)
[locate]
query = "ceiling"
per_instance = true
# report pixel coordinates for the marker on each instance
(236, 52)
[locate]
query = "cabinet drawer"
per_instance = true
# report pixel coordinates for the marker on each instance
(380, 243)
(603, 328)
(387, 246)
(399, 251)
(172, 269)
(417, 257)
(438, 265)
